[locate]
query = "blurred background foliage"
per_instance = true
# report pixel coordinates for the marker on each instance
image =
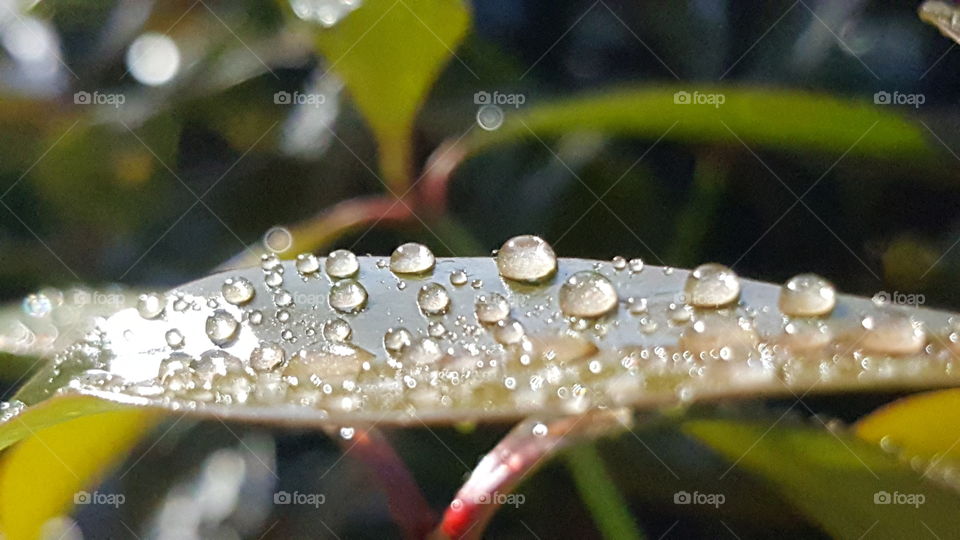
(103, 194)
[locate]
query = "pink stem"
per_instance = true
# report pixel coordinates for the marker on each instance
(525, 448)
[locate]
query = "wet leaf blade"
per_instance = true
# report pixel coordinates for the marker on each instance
(839, 482)
(778, 119)
(61, 455)
(925, 425)
(389, 53)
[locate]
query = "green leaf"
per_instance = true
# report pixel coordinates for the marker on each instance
(851, 488)
(389, 53)
(332, 367)
(925, 425)
(759, 117)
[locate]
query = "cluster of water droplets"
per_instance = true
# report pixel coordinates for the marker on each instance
(412, 337)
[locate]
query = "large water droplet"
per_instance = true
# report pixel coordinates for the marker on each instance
(267, 356)
(712, 285)
(526, 258)
(412, 258)
(587, 294)
(221, 327)
(807, 295)
(307, 263)
(433, 299)
(341, 264)
(492, 308)
(237, 290)
(347, 296)
(151, 305)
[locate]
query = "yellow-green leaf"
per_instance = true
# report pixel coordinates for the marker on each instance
(849, 487)
(60, 456)
(389, 53)
(925, 425)
(782, 119)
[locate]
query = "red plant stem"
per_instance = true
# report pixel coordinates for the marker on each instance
(433, 188)
(410, 511)
(515, 456)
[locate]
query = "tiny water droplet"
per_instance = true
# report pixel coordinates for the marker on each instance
(347, 296)
(221, 327)
(458, 278)
(526, 258)
(807, 295)
(433, 299)
(508, 332)
(269, 261)
(636, 265)
(267, 356)
(282, 298)
(307, 263)
(397, 339)
(255, 317)
(337, 330)
(412, 258)
(619, 263)
(347, 433)
(341, 264)
(174, 338)
(492, 308)
(273, 279)
(151, 305)
(587, 294)
(712, 285)
(237, 290)
(436, 329)
(540, 430)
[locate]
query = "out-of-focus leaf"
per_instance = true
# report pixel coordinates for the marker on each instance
(389, 53)
(944, 16)
(50, 413)
(926, 425)
(788, 120)
(60, 461)
(283, 353)
(851, 488)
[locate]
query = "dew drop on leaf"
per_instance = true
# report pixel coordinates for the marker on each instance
(412, 258)
(807, 295)
(526, 258)
(347, 296)
(267, 356)
(337, 330)
(587, 294)
(433, 299)
(237, 290)
(151, 305)
(307, 264)
(221, 327)
(341, 264)
(491, 308)
(712, 285)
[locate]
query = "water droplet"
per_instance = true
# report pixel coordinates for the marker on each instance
(891, 331)
(587, 294)
(436, 329)
(174, 338)
(153, 59)
(37, 305)
(508, 332)
(526, 258)
(151, 305)
(269, 261)
(221, 327)
(807, 295)
(492, 308)
(341, 264)
(723, 335)
(636, 306)
(412, 258)
(283, 315)
(712, 285)
(325, 12)
(803, 333)
(540, 430)
(337, 330)
(282, 298)
(273, 279)
(433, 299)
(636, 265)
(255, 317)
(347, 296)
(307, 263)
(458, 278)
(237, 290)
(11, 409)
(423, 351)
(619, 263)
(267, 356)
(347, 433)
(397, 339)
